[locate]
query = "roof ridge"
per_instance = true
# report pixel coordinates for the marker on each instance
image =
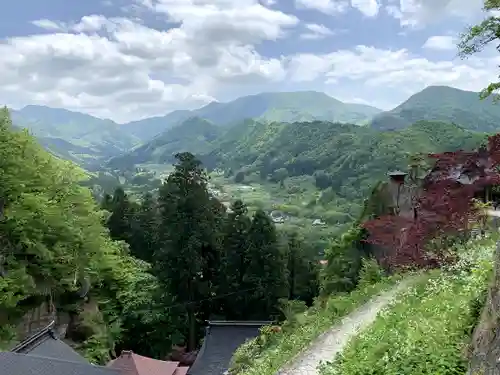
(35, 337)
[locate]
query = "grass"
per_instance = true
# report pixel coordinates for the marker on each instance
(427, 329)
(273, 349)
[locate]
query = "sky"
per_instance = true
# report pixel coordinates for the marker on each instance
(131, 59)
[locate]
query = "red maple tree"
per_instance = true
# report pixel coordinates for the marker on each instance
(443, 207)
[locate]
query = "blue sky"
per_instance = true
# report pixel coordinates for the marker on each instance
(128, 59)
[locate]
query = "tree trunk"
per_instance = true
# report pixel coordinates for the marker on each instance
(192, 342)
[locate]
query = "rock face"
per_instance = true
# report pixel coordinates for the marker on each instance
(485, 346)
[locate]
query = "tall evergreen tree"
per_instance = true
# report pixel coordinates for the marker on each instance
(266, 272)
(235, 261)
(187, 238)
(119, 223)
(145, 229)
(303, 270)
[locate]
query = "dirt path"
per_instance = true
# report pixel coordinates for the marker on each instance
(326, 347)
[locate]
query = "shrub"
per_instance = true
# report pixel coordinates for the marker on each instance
(426, 330)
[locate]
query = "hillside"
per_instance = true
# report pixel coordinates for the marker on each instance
(442, 103)
(353, 157)
(194, 134)
(268, 107)
(75, 136)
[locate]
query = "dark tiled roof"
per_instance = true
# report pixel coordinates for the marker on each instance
(23, 364)
(44, 354)
(130, 363)
(45, 343)
(221, 341)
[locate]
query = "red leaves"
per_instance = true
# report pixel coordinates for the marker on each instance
(444, 207)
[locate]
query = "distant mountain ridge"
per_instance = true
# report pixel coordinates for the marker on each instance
(86, 139)
(442, 103)
(268, 107)
(83, 138)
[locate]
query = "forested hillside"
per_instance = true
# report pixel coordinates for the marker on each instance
(346, 158)
(442, 103)
(194, 135)
(77, 135)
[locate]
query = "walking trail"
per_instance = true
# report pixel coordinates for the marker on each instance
(326, 347)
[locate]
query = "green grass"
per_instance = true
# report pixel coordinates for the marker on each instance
(428, 328)
(272, 350)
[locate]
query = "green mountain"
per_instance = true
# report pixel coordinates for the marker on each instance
(354, 158)
(268, 107)
(442, 103)
(194, 135)
(73, 135)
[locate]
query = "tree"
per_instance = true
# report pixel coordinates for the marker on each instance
(266, 273)
(187, 238)
(302, 270)
(343, 263)
(239, 177)
(145, 229)
(479, 36)
(280, 176)
(119, 223)
(444, 207)
(235, 261)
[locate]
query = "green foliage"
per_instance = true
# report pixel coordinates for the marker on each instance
(479, 36)
(370, 272)
(347, 159)
(74, 136)
(427, 329)
(266, 354)
(344, 262)
(267, 272)
(188, 253)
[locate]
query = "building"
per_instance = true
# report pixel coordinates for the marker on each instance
(221, 341)
(129, 363)
(44, 353)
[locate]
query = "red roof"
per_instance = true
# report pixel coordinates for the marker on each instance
(130, 363)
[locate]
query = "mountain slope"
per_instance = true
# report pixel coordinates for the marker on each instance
(442, 103)
(354, 157)
(74, 132)
(194, 135)
(276, 106)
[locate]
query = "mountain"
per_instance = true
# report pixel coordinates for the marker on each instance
(354, 158)
(194, 135)
(73, 135)
(442, 103)
(268, 107)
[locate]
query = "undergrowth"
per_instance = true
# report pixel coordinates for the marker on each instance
(277, 345)
(427, 329)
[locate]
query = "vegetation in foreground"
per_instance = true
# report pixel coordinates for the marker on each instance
(276, 346)
(428, 328)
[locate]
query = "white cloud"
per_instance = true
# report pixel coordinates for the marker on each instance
(316, 31)
(123, 69)
(325, 6)
(417, 13)
(369, 8)
(119, 68)
(441, 42)
(377, 70)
